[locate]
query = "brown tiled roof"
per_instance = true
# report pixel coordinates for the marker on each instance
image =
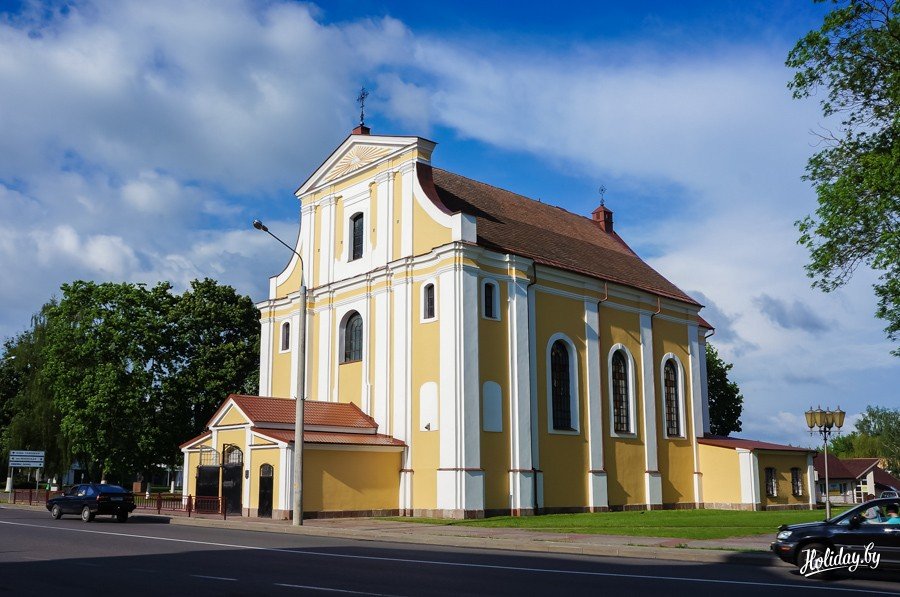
(747, 444)
(859, 466)
(704, 324)
(327, 437)
(511, 223)
(882, 477)
(261, 410)
(836, 468)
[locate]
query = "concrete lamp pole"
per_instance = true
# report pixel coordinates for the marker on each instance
(301, 384)
(825, 421)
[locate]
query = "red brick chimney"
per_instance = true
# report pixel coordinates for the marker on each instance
(361, 130)
(604, 218)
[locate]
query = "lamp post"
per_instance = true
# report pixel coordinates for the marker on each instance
(301, 383)
(825, 422)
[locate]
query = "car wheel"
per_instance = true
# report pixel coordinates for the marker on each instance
(86, 514)
(56, 512)
(121, 516)
(809, 552)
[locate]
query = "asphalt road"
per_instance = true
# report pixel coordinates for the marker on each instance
(145, 556)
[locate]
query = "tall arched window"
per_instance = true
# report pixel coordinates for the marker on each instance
(673, 416)
(560, 386)
(356, 232)
(353, 338)
(489, 290)
(621, 414)
(428, 301)
(285, 336)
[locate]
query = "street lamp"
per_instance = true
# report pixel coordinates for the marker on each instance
(825, 421)
(301, 383)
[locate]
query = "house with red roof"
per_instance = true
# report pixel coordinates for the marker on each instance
(851, 479)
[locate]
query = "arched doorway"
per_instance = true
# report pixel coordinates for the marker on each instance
(208, 473)
(232, 475)
(266, 481)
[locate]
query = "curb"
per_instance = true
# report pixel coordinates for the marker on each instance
(680, 554)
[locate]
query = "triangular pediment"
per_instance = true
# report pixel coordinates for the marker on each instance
(356, 154)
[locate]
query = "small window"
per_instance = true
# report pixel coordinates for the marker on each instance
(490, 300)
(621, 402)
(428, 302)
(771, 482)
(560, 386)
(796, 482)
(285, 336)
(673, 416)
(356, 232)
(353, 339)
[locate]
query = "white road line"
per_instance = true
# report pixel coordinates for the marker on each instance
(212, 577)
(330, 590)
(811, 586)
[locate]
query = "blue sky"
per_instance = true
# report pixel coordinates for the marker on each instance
(140, 139)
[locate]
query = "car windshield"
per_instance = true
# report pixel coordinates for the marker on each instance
(871, 511)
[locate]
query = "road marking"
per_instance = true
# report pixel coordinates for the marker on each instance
(315, 588)
(212, 577)
(812, 586)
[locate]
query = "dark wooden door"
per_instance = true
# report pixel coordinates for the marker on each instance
(266, 482)
(231, 487)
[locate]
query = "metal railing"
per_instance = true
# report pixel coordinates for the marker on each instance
(170, 502)
(161, 502)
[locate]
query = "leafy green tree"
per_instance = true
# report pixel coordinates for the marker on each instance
(855, 445)
(855, 57)
(725, 400)
(884, 425)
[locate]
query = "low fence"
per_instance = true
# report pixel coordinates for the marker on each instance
(169, 502)
(161, 502)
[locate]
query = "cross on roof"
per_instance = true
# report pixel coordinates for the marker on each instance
(361, 100)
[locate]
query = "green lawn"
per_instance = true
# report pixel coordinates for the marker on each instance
(686, 524)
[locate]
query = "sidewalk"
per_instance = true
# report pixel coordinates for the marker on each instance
(738, 550)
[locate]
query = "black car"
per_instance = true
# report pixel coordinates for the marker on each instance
(863, 530)
(90, 499)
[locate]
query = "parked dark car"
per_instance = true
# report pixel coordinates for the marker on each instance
(852, 530)
(91, 499)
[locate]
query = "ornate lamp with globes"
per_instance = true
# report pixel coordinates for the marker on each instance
(825, 422)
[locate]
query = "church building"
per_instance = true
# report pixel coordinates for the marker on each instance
(471, 352)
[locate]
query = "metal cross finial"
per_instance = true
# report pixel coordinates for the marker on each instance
(602, 191)
(361, 100)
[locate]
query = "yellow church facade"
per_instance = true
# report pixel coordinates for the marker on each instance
(514, 357)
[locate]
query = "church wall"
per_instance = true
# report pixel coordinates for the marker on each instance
(425, 368)
(782, 463)
(350, 480)
(397, 223)
(624, 456)
(281, 362)
(232, 417)
(676, 455)
(427, 233)
(350, 381)
(721, 475)
(493, 366)
(563, 456)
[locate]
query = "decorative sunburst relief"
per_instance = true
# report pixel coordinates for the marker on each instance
(357, 157)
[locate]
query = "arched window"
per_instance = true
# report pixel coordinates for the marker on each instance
(285, 336)
(353, 338)
(673, 416)
(428, 302)
(356, 232)
(560, 386)
(489, 291)
(233, 455)
(621, 406)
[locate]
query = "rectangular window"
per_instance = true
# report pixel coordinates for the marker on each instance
(796, 482)
(429, 301)
(489, 301)
(771, 482)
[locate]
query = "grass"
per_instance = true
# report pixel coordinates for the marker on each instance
(684, 524)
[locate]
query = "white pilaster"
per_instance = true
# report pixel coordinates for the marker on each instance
(811, 481)
(326, 241)
(704, 386)
(265, 353)
(407, 171)
(597, 487)
(381, 359)
(401, 380)
(653, 481)
(460, 478)
(521, 476)
(295, 343)
(532, 382)
(697, 360)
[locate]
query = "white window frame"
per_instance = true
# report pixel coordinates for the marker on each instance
(632, 399)
(573, 387)
(422, 318)
(679, 396)
(281, 348)
(496, 305)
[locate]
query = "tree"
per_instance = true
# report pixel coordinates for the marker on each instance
(877, 435)
(725, 400)
(855, 56)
